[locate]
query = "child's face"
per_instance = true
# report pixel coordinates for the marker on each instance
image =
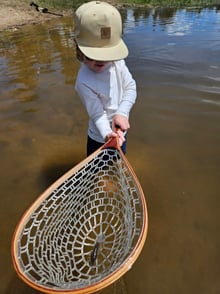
(96, 66)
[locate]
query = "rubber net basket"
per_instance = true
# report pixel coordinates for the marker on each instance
(86, 230)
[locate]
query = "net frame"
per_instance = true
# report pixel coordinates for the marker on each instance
(115, 221)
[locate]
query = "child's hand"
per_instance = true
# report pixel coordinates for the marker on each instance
(120, 122)
(118, 133)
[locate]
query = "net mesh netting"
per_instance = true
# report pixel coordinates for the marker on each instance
(85, 228)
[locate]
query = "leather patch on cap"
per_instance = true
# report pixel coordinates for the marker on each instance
(106, 33)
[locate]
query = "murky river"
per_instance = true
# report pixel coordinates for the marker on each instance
(173, 144)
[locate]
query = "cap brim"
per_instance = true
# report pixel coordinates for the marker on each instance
(120, 51)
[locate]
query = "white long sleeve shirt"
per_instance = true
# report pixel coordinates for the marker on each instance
(105, 94)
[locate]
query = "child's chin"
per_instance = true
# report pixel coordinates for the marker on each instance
(99, 68)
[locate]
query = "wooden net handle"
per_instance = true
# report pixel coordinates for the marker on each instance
(112, 143)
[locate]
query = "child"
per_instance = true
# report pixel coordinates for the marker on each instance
(104, 82)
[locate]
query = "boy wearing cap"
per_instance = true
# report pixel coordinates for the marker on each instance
(104, 82)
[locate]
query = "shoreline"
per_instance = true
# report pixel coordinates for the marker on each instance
(14, 14)
(12, 17)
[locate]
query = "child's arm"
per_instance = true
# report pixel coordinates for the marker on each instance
(94, 108)
(121, 117)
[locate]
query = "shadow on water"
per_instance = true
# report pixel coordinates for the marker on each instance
(173, 144)
(53, 170)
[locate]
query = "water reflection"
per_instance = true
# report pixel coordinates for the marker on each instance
(28, 53)
(173, 143)
(164, 16)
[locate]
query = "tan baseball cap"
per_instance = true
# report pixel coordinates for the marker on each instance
(98, 31)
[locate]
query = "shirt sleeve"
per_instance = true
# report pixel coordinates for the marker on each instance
(129, 90)
(94, 107)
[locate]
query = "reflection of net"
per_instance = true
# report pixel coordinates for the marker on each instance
(85, 228)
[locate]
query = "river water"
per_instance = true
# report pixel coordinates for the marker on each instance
(173, 143)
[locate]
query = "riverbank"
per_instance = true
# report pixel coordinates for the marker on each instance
(14, 14)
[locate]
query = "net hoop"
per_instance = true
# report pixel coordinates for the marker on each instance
(97, 283)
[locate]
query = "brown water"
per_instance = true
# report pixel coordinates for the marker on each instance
(173, 144)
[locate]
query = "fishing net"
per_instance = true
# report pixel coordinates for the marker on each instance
(85, 231)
